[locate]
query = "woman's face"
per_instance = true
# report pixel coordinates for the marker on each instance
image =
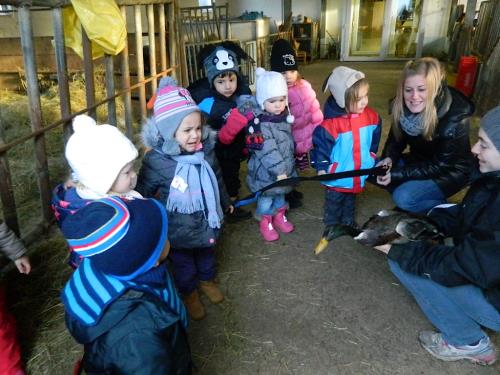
(415, 93)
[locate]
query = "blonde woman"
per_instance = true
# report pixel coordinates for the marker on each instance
(432, 120)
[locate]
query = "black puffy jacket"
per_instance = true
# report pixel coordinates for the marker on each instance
(138, 334)
(475, 256)
(446, 159)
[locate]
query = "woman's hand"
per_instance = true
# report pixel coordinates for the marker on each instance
(383, 248)
(385, 179)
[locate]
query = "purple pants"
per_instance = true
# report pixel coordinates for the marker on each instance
(192, 266)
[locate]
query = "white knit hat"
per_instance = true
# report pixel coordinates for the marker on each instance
(269, 85)
(97, 153)
(340, 80)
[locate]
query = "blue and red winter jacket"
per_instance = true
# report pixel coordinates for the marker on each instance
(346, 142)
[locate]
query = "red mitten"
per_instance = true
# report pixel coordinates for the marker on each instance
(234, 124)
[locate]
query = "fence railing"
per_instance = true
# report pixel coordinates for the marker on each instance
(161, 12)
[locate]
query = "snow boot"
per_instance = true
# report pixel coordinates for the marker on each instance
(281, 222)
(212, 291)
(194, 306)
(266, 228)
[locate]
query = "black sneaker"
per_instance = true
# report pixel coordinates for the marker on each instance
(239, 214)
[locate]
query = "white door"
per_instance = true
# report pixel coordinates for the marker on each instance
(381, 30)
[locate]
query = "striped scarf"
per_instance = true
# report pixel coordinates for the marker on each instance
(89, 292)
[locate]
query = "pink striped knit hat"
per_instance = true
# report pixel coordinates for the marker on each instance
(172, 104)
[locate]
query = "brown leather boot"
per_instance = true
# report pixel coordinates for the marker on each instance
(194, 306)
(212, 291)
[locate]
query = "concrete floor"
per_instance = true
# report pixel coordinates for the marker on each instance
(288, 311)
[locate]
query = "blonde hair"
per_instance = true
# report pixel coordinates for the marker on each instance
(351, 95)
(434, 75)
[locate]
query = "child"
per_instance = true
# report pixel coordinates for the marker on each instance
(178, 170)
(348, 140)
(101, 158)
(10, 352)
(216, 96)
(119, 241)
(275, 160)
(303, 104)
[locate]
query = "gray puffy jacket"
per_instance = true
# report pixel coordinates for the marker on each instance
(10, 245)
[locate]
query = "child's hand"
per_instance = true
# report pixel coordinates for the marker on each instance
(281, 177)
(230, 209)
(321, 172)
(23, 265)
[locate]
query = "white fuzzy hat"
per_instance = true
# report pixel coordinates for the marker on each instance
(340, 80)
(269, 85)
(97, 153)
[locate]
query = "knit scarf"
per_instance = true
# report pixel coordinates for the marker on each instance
(411, 123)
(89, 292)
(191, 189)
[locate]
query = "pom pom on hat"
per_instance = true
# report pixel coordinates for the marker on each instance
(269, 85)
(340, 80)
(490, 123)
(97, 154)
(172, 104)
(123, 238)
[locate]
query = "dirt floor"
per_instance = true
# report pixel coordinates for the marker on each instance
(288, 311)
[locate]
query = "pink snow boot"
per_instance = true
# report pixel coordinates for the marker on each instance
(266, 228)
(281, 223)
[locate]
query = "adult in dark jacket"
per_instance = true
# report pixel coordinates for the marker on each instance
(431, 119)
(458, 286)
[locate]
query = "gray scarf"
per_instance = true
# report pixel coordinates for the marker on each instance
(411, 123)
(191, 189)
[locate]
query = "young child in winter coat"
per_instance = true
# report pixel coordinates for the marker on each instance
(10, 352)
(275, 160)
(121, 293)
(303, 105)
(348, 140)
(217, 96)
(181, 169)
(102, 162)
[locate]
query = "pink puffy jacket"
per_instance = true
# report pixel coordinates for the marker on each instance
(306, 109)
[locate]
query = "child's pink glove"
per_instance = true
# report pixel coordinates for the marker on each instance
(234, 124)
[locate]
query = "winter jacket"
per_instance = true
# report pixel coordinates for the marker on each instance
(185, 231)
(446, 159)
(307, 112)
(138, 334)
(217, 108)
(276, 156)
(10, 245)
(346, 142)
(474, 257)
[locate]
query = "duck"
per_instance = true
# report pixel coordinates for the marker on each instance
(387, 226)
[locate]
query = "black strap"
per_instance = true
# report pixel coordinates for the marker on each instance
(292, 181)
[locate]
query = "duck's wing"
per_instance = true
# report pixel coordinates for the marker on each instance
(415, 229)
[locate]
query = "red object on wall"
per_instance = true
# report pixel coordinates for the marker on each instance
(466, 76)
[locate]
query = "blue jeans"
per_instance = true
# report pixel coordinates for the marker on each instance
(269, 204)
(339, 208)
(457, 312)
(418, 195)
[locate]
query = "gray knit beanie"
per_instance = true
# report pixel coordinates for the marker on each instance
(490, 123)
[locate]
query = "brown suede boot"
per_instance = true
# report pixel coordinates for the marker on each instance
(194, 306)
(212, 291)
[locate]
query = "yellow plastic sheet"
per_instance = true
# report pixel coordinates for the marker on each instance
(103, 23)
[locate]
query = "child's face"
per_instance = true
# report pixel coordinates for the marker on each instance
(276, 105)
(360, 105)
(164, 253)
(126, 180)
(226, 86)
(486, 153)
(188, 134)
(291, 77)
